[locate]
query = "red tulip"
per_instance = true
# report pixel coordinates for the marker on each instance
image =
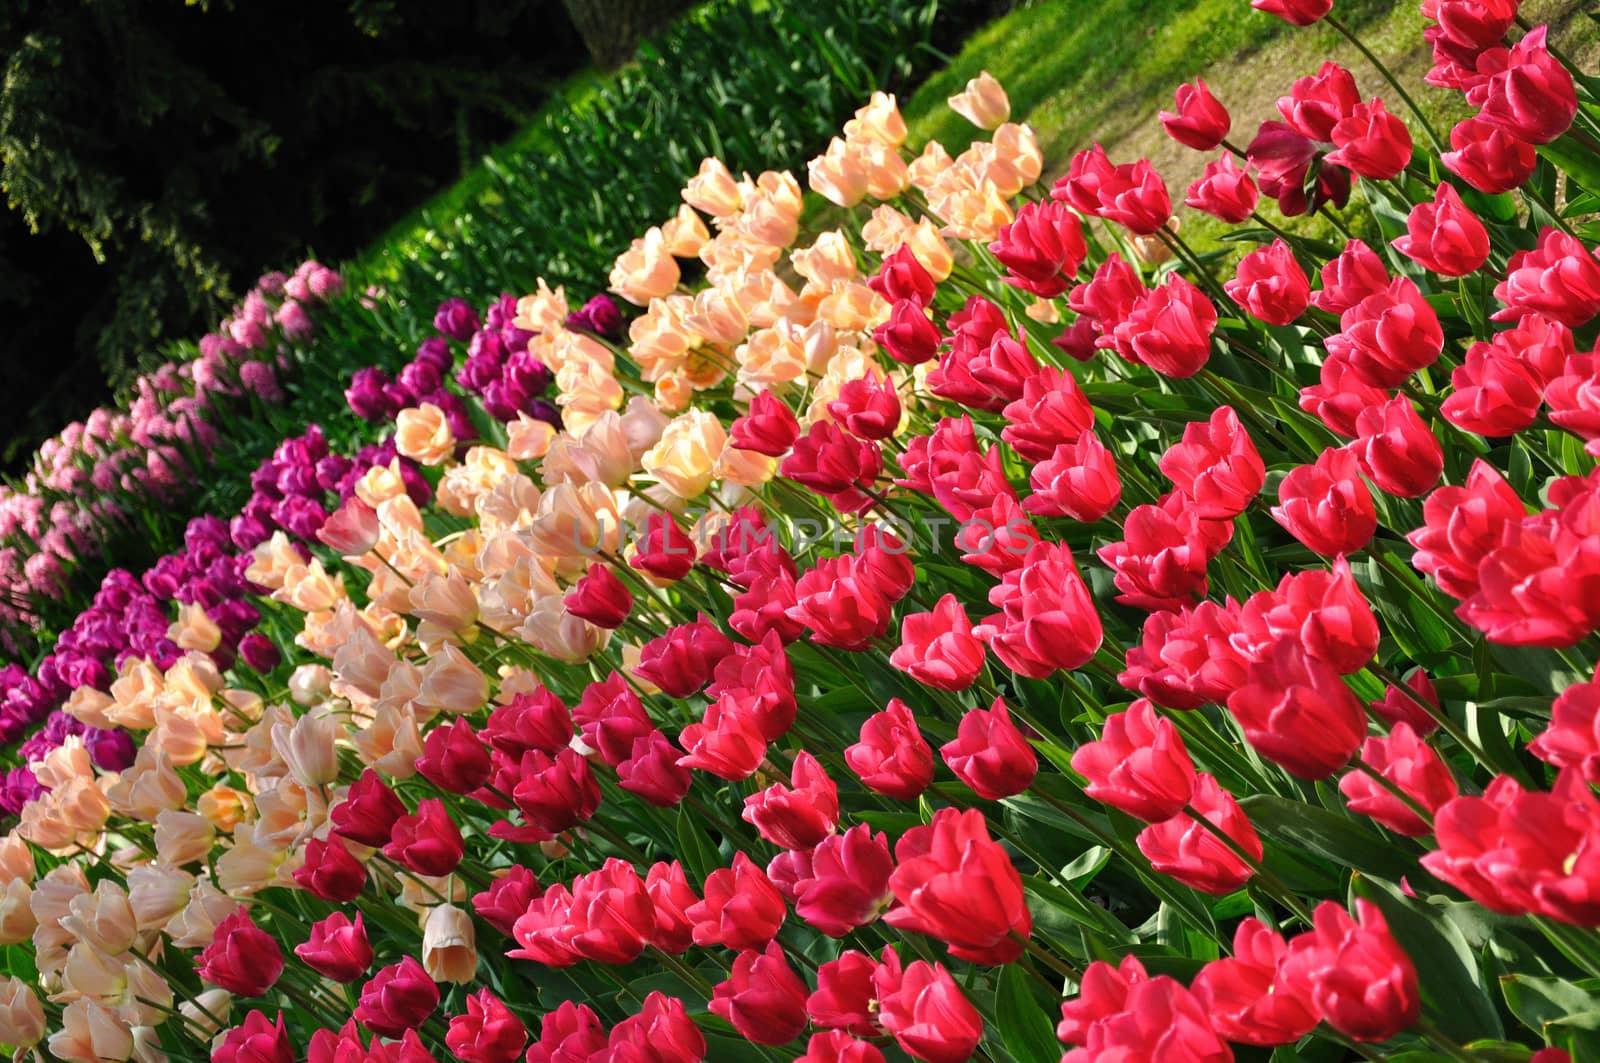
(1356, 273)
(763, 998)
(1559, 278)
(1491, 393)
(990, 754)
(570, 1033)
(1190, 853)
(1411, 765)
(909, 337)
(1109, 295)
(242, 958)
(368, 812)
(1390, 334)
(397, 999)
(1326, 505)
(1318, 103)
(1527, 93)
(963, 475)
(892, 758)
(1216, 466)
(610, 717)
(1488, 158)
(1161, 561)
(841, 604)
(507, 898)
(681, 661)
(1372, 142)
(1139, 765)
(929, 1016)
(868, 407)
(1201, 122)
(760, 682)
(829, 461)
(330, 872)
(844, 996)
(338, 948)
(256, 1040)
(1461, 525)
(1041, 249)
(901, 276)
(1187, 658)
(555, 793)
(998, 537)
(1574, 399)
(611, 918)
(454, 759)
(1283, 159)
(1052, 410)
(1270, 284)
(1396, 450)
(767, 427)
(654, 771)
(1355, 973)
(1572, 737)
(664, 551)
(1444, 236)
(956, 884)
(1399, 707)
(532, 720)
(728, 742)
(489, 1032)
(1160, 1020)
(985, 375)
(797, 818)
(1246, 998)
(1047, 620)
(543, 931)
(672, 896)
(939, 648)
(1224, 190)
(662, 1032)
(600, 598)
(742, 909)
(836, 1046)
(1297, 712)
(1324, 611)
(1295, 12)
(1131, 195)
(763, 609)
(1168, 329)
(1103, 992)
(1078, 480)
(840, 885)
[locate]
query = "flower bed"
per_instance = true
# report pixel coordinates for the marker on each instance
(980, 632)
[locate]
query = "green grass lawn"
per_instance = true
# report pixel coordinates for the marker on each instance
(1081, 72)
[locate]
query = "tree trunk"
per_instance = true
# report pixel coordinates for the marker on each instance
(612, 29)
